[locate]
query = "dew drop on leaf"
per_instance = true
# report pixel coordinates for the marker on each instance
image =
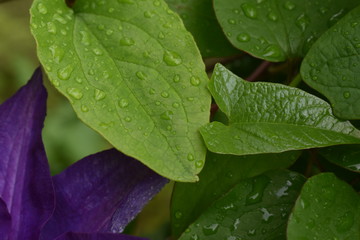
(172, 58)
(195, 81)
(99, 95)
(84, 108)
(249, 10)
(289, 5)
(190, 157)
(243, 37)
(210, 229)
(167, 115)
(75, 93)
(42, 9)
(272, 51)
(65, 73)
(165, 94)
(123, 103)
(127, 41)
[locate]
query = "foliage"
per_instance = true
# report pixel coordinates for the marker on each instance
(133, 71)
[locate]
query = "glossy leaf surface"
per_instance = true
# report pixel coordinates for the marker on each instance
(219, 175)
(327, 208)
(347, 156)
(270, 118)
(276, 30)
(133, 73)
(332, 66)
(256, 208)
(199, 18)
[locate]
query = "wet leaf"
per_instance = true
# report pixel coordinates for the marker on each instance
(276, 30)
(270, 118)
(199, 18)
(332, 66)
(219, 175)
(133, 73)
(326, 209)
(256, 208)
(347, 156)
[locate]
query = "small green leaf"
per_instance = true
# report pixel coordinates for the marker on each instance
(270, 118)
(332, 66)
(326, 209)
(199, 18)
(347, 156)
(219, 175)
(276, 30)
(256, 208)
(133, 73)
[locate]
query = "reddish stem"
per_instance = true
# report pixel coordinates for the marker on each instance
(258, 71)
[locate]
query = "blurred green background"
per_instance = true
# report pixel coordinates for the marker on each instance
(66, 138)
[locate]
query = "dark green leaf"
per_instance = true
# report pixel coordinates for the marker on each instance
(219, 175)
(347, 156)
(256, 208)
(199, 18)
(276, 30)
(332, 66)
(270, 118)
(326, 209)
(133, 73)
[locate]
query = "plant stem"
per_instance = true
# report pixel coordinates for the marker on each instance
(258, 71)
(296, 81)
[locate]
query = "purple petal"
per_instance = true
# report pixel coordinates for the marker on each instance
(101, 193)
(96, 236)
(25, 182)
(5, 220)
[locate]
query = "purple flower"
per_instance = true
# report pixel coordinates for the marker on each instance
(94, 199)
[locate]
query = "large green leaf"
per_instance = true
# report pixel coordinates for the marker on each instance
(219, 175)
(276, 30)
(269, 118)
(326, 209)
(199, 18)
(347, 156)
(332, 66)
(256, 208)
(133, 73)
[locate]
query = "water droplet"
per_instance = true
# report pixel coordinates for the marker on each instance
(195, 81)
(65, 73)
(243, 37)
(42, 9)
(190, 99)
(57, 53)
(232, 21)
(51, 27)
(346, 95)
(84, 108)
(148, 14)
(59, 18)
(178, 215)
(123, 103)
(141, 75)
(251, 232)
(167, 115)
(199, 164)
(249, 10)
(111, 10)
(128, 119)
(165, 94)
(190, 157)
(156, 3)
(302, 21)
(258, 186)
(172, 58)
(266, 217)
(152, 91)
(97, 51)
(272, 51)
(336, 17)
(109, 32)
(85, 39)
(176, 78)
(161, 35)
(289, 5)
(126, 1)
(75, 93)
(210, 229)
(55, 82)
(157, 103)
(323, 10)
(99, 95)
(127, 41)
(176, 105)
(273, 16)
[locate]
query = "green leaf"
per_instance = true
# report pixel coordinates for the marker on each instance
(326, 209)
(270, 118)
(133, 73)
(276, 30)
(256, 208)
(347, 156)
(199, 18)
(332, 66)
(219, 175)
